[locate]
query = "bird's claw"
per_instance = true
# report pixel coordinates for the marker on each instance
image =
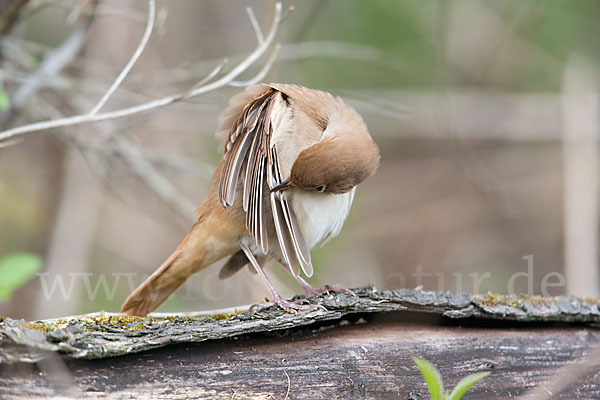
(310, 292)
(291, 307)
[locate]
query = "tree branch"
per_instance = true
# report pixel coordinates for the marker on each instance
(261, 74)
(129, 111)
(136, 54)
(255, 25)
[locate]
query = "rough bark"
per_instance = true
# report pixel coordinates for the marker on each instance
(107, 335)
(356, 358)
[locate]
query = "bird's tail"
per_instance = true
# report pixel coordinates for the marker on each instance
(163, 282)
(204, 244)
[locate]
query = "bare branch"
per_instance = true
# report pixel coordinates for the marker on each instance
(53, 63)
(206, 79)
(11, 142)
(125, 112)
(77, 10)
(132, 60)
(289, 52)
(255, 55)
(261, 74)
(152, 178)
(259, 35)
(186, 164)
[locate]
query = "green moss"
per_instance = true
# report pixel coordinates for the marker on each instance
(105, 323)
(136, 328)
(46, 326)
(221, 317)
(118, 321)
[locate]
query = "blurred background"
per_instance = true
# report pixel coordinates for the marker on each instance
(486, 113)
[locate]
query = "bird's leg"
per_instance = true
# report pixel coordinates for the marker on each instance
(310, 291)
(288, 306)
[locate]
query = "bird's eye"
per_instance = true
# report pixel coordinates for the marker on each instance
(320, 188)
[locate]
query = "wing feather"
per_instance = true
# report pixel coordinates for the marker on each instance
(236, 149)
(249, 148)
(290, 236)
(302, 249)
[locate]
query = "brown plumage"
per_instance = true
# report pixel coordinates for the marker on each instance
(292, 159)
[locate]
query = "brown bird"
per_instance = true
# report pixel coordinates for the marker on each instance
(292, 159)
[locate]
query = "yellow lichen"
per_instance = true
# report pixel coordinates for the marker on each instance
(591, 301)
(223, 316)
(537, 301)
(514, 301)
(494, 299)
(38, 326)
(46, 326)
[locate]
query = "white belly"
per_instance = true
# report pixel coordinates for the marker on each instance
(321, 216)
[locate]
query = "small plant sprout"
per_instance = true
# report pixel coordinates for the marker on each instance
(434, 382)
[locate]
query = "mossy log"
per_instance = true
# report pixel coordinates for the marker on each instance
(104, 335)
(359, 347)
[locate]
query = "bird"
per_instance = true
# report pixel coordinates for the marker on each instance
(292, 159)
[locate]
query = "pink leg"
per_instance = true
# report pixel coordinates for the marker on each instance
(310, 291)
(288, 306)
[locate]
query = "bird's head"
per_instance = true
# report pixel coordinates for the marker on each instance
(334, 165)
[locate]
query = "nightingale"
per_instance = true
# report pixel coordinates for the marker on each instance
(292, 159)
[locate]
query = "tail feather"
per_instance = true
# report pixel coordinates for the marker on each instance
(162, 283)
(155, 290)
(213, 236)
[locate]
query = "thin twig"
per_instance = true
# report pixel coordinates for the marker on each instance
(287, 13)
(290, 52)
(261, 74)
(255, 25)
(47, 70)
(186, 164)
(136, 54)
(11, 142)
(105, 146)
(125, 112)
(78, 9)
(206, 79)
(255, 55)
(151, 177)
(53, 63)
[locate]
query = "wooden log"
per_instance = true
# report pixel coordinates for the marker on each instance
(364, 352)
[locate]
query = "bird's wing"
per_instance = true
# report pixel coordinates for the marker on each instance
(248, 148)
(290, 237)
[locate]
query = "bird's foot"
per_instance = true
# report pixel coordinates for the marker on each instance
(291, 307)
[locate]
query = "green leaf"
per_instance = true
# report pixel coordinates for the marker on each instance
(465, 384)
(432, 378)
(15, 270)
(4, 101)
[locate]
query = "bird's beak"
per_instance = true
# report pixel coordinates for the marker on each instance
(282, 186)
